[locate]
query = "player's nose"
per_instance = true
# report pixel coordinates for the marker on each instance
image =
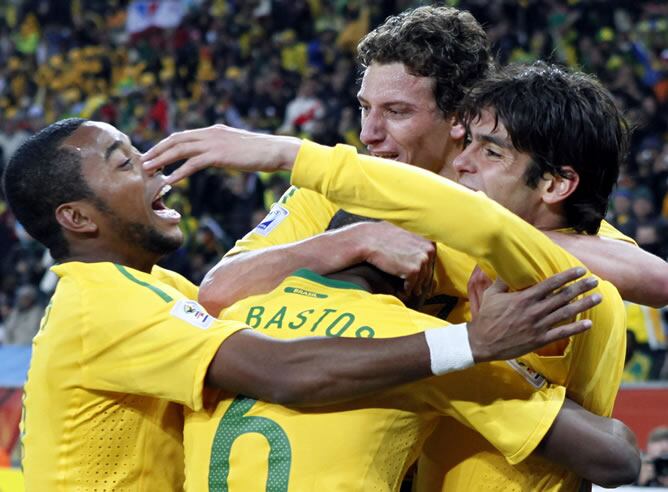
(373, 128)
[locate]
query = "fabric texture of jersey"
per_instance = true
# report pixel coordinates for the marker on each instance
(589, 365)
(360, 445)
(309, 214)
(112, 365)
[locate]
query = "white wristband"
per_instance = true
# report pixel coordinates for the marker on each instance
(449, 348)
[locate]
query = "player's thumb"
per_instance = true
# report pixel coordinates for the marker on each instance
(497, 287)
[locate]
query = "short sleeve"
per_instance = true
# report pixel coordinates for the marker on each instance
(151, 344)
(511, 406)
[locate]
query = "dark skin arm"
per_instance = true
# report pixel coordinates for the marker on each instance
(324, 370)
(600, 450)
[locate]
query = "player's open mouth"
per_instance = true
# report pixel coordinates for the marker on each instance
(161, 210)
(386, 155)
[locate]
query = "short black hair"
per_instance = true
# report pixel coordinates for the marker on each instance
(40, 176)
(343, 218)
(381, 282)
(560, 118)
(444, 43)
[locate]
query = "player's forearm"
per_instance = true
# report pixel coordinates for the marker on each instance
(309, 371)
(639, 276)
(256, 272)
(598, 449)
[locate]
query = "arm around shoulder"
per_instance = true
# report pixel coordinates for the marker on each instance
(639, 276)
(316, 370)
(255, 272)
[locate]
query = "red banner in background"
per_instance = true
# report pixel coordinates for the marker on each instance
(643, 407)
(10, 416)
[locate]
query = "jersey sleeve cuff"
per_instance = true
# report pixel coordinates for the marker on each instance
(555, 400)
(227, 329)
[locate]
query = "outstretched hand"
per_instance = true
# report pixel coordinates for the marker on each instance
(221, 146)
(510, 324)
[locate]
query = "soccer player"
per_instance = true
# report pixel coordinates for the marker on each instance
(552, 160)
(367, 444)
(417, 67)
(122, 347)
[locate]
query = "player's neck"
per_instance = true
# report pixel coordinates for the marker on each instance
(352, 279)
(369, 278)
(549, 218)
(143, 263)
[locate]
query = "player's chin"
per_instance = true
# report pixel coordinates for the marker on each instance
(174, 234)
(167, 228)
(167, 241)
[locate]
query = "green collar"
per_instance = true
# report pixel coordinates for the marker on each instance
(319, 279)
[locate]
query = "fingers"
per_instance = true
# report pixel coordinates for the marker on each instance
(410, 281)
(566, 295)
(167, 143)
(496, 287)
(474, 303)
(426, 272)
(191, 166)
(175, 152)
(546, 287)
(564, 331)
(569, 311)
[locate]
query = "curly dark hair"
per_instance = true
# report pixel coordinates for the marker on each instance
(443, 43)
(559, 118)
(39, 177)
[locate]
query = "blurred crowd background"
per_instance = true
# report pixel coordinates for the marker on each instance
(151, 68)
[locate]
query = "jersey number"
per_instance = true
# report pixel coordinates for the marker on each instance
(233, 425)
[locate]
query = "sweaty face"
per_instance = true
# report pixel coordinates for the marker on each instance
(129, 210)
(400, 118)
(491, 164)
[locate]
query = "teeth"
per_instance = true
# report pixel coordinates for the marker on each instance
(163, 191)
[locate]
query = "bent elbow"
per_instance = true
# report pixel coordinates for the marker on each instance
(626, 468)
(662, 300)
(209, 297)
(655, 292)
(630, 468)
(624, 474)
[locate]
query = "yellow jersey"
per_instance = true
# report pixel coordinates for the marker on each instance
(302, 213)
(244, 445)
(588, 365)
(118, 355)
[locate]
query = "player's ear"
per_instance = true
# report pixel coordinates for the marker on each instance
(76, 217)
(457, 129)
(556, 188)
